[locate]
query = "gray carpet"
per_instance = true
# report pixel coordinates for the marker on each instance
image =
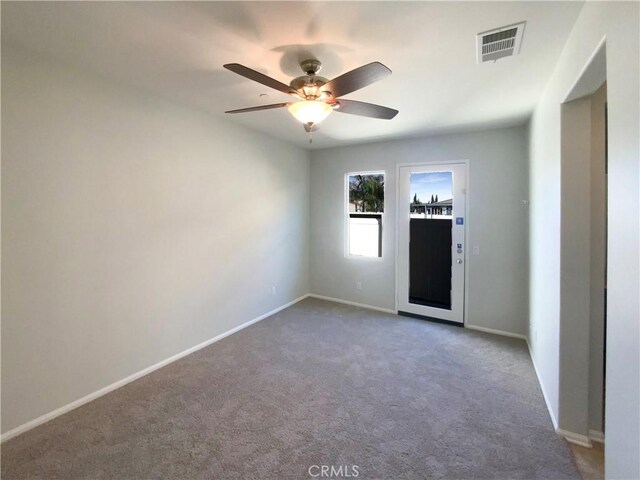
(317, 384)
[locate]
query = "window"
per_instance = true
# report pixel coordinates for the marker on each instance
(365, 206)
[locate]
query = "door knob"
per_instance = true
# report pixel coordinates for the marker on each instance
(459, 260)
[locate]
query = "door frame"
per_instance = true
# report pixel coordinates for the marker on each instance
(430, 163)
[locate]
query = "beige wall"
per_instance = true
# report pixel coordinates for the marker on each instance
(575, 255)
(132, 229)
(598, 257)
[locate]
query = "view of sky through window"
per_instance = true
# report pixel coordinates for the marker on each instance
(438, 184)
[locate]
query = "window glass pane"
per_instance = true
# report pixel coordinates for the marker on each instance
(366, 193)
(364, 236)
(365, 208)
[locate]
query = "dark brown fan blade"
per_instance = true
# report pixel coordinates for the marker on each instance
(260, 78)
(365, 109)
(261, 107)
(356, 79)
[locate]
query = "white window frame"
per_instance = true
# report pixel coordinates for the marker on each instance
(346, 212)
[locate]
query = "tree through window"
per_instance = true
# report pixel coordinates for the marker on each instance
(365, 209)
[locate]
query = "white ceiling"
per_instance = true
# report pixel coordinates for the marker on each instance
(177, 50)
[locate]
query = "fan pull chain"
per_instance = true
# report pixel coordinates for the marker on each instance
(310, 136)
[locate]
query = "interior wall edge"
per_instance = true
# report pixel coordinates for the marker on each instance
(10, 46)
(353, 304)
(547, 401)
(494, 331)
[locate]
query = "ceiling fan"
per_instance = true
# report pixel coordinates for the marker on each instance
(317, 96)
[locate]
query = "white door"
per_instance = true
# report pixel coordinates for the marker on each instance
(431, 241)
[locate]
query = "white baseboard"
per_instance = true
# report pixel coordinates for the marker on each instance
(535, 368)
(596, 436)
(353, 304)
(554, 421)
(570, 436)
(576, 438)
(109, 388)
(496, 332)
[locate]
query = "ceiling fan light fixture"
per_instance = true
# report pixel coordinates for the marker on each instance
(310, 91)
(318, 96)
(310, 111)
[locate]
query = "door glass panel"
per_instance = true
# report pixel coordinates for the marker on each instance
(430, 225)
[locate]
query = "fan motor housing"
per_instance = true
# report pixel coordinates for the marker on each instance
(308, 80)
(310, 83)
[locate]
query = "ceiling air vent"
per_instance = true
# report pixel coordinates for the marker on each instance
(500, 42)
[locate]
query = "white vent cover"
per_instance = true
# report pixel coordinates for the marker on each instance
(500, 42)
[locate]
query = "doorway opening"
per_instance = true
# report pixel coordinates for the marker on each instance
(583, 266)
